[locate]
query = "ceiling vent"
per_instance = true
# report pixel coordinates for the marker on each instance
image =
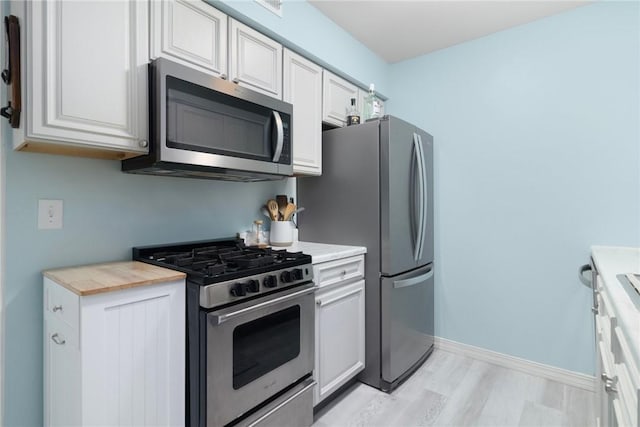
(274, 6)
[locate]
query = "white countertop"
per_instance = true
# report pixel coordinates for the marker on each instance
(611, 261)
(321, 252)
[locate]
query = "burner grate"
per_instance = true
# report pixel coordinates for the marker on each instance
(215, 261)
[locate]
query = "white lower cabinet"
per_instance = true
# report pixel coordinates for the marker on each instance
(340, 351)
(618, 376)
(114, 358)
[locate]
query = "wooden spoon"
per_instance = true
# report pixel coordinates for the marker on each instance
(281, 199)
(288, 211)
(272, 206)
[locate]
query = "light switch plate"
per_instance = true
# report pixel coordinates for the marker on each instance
(49, 214)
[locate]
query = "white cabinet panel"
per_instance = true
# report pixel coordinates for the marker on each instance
(128, 366)
(191, 32)
(61, 380)
(255, 60)
(85, 77)
(340, 324)
(303, 89)
(336, 99)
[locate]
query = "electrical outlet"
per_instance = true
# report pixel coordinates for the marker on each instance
(49, 214)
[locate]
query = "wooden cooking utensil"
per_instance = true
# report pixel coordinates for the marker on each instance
(282, 204)
(289, 210)
(272, 207)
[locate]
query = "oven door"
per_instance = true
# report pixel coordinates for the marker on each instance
(255, 350)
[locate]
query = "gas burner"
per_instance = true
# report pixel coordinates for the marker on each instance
(209, 262)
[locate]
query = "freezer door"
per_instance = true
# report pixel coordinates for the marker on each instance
(404, 203)
(407, 320)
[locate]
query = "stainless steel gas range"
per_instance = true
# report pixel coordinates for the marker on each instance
(250, 332)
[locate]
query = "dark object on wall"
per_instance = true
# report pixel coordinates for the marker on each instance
(11, 74)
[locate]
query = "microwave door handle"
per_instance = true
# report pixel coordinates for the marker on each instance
(279, 136)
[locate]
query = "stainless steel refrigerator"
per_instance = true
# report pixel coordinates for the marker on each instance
(376, 190)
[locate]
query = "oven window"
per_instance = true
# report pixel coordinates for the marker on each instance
(262, 345)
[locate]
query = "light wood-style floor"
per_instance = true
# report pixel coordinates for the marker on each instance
(454, 390)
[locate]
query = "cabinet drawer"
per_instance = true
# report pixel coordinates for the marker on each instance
(332, 272)
(60, 303)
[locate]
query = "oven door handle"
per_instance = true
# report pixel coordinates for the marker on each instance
(219, 317)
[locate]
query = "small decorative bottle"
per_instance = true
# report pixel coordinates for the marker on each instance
(353, 115)
(260, 237)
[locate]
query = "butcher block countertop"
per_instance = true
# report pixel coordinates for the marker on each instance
(114, 276)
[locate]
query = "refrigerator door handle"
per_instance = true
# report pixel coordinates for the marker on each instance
(413, 281)
(421, 184)
(424, 198)
(417, 152)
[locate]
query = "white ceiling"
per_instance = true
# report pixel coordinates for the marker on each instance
(398, 30)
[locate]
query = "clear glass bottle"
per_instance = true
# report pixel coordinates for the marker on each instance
(371, 104)
(260, 237)
(353, 115)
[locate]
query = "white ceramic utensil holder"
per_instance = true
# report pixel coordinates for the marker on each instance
(281, 233)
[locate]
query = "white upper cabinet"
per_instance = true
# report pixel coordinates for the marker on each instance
(190, 32)
(337, 94)
(303, 89)
(84, 69)
(255, 61)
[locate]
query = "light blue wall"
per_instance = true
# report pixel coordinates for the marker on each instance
(107, 212)
(537, 157)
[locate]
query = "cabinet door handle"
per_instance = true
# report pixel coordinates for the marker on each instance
(223, 76)
(57, 308)
(143, 143)
(236, 80)
(610, 388)
(607, 378)
(56, 339)
(594, 310)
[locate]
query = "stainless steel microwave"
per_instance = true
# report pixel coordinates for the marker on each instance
(205, 127)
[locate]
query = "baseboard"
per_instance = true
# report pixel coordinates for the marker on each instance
(574, 379)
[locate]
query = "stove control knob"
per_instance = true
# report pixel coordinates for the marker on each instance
(270, 281)
(252, 286)
(286, 277)
(297, 274)
(238, 290)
